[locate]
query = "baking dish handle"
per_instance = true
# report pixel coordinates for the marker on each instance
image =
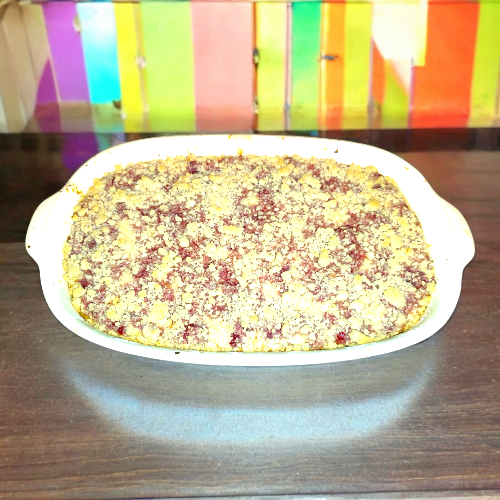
(35, 236)
(464, 241)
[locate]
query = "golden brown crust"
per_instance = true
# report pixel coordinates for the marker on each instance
(247, 253)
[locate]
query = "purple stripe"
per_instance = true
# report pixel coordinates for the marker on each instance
(47, 87)
(66, 49)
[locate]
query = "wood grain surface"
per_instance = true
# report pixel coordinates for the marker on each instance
(78, 421)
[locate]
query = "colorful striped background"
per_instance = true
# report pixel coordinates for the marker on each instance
(171, 66)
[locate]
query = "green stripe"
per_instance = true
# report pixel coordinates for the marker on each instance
(358, 27)
(271, 21)
(486, 71)
(306, 21)
(169, 70)
(396, 103)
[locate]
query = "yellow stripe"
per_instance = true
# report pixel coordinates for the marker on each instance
(271, 20)
(129, 57)
(421, 35)
(485, 79)
(358, 21)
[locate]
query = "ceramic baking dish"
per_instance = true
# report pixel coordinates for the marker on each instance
(451, 243)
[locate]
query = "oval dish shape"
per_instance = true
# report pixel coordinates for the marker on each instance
(450, 240)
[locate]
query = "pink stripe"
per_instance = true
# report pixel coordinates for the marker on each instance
(223, 44)
(66, 49)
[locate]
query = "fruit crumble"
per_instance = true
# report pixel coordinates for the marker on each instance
(247, 253)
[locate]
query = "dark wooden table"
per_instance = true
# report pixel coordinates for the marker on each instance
(78, 421)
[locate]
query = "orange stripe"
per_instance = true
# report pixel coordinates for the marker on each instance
(442, 88)
(332, 71)
(378, 85)
(378, 75)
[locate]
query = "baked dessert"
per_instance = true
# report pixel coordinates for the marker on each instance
(247, 253)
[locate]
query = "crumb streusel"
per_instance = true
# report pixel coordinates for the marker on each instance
(247, 253)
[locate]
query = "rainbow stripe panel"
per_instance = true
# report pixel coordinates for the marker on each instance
(237, 66)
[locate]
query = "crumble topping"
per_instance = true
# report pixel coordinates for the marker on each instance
(247, 253)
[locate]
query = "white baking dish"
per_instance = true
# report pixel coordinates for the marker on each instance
(452, 246)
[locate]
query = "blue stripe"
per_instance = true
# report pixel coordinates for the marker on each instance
(98, 31)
